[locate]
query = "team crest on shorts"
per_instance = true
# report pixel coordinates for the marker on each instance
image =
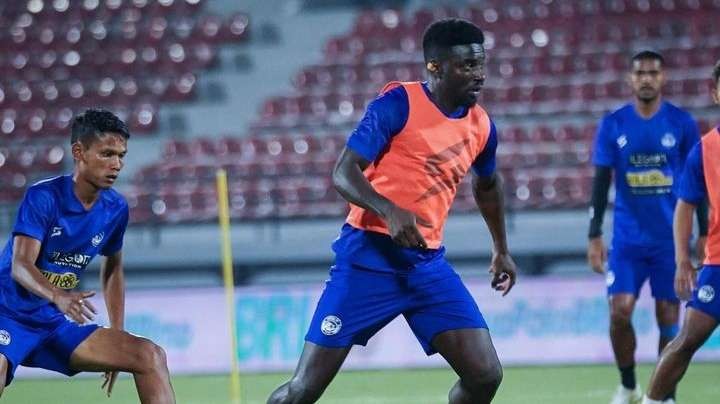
(331, 325)
(610, 278)
(4, 337)
(706, 294)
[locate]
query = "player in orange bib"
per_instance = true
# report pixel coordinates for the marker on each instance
(701, 179)
(400, 171)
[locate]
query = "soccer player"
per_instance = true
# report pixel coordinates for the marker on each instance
(62, 223)
(701, 180)
(645, 143)
(400, 171)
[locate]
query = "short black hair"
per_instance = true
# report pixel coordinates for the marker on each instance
(92, 123)
(648, 55)
(446, 33)
(716, 72)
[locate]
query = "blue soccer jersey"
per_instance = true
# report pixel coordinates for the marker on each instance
(70, 237)
(385, 117)
(647, 156)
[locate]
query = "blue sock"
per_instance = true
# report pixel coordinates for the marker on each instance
(627, 377)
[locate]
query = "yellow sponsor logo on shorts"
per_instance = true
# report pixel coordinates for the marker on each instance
(67, 280)
(650, 178)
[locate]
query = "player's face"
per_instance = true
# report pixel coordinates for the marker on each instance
(647, 79)
(716, 93)
(463, 73)
(100, 162)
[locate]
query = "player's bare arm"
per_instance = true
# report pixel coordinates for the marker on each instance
(24, 272)
(112, 278)
(489, 198)
(597, 252)
(685, 275)
(350, 182)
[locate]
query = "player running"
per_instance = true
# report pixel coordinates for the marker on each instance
(62, 223)
(400, 171)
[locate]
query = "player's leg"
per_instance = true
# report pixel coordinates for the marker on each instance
(317, 367)
(701, 318)
(446, 319)
(114, 350)
(471, 354)
(628, 271)
(355, 304)
(662, 285)
(675, 358)
(4, 365)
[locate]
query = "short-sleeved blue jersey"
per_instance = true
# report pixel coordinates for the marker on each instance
(70, 237)
(647, 156)
(692, 186)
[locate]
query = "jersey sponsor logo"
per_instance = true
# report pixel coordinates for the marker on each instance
(444, 181)
(648, 160)
(649, 178)
(97, 239)
(331, 325)
(668, 140)
(67, 280)
(622, 141)
(610, 278)
(706, 294)
(78, 261)
(56, 231)
(5, 337)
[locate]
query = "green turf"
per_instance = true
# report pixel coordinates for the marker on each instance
(536, 385)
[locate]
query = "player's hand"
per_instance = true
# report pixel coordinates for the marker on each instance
(685, 279)
(403, 228)
(502, 268)
(597, 254)
(75, 305)
(109, 382)
(700, 248)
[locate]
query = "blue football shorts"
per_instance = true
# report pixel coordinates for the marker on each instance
(630, 266)
(357, 302)
(41, 345)
(706, 296)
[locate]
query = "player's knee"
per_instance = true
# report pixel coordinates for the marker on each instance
(485, 378)
(621, 314)
(151, 356)
(302, 391)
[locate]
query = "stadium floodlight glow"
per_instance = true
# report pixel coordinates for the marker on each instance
(24, 94)
(192, 2)
(76, 91)
(489, 40)
(2, 159)
(176, 53)
(71, 58)
(490, 15)
(128, 56)
(73, 35)
(19, 180)
(36, 123)
(149, 54)
(18, 34)
(145, 117)
(91, 4)
(166, 3)
(2, 95)
(345, 108)
(113, 4)
(51, 92)
(106, 87)
(55, 155)
(98, 30)
(61, 6)
(8, 125)
(25, 20)
(19, 60)
(540, 38)
(47, 35)
(390, 19)
(517, 40)
(35, 6)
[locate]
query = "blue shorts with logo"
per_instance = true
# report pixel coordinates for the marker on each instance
(357, 302)
(41, 345)
(630, 266)
(706, 296)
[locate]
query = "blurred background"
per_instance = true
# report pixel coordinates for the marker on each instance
(269, 90)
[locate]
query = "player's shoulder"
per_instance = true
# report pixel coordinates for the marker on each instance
(49, 189)
(620, 113)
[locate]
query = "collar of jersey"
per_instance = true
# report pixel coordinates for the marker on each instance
(72, 203)
(457, 114)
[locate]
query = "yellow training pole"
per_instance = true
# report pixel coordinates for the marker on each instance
(227, 260)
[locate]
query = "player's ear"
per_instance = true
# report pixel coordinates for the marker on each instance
(433, 67)
(77, 150)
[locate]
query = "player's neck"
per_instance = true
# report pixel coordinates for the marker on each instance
(442, 100)
(85, 192)
(647, 109)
